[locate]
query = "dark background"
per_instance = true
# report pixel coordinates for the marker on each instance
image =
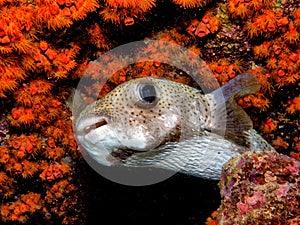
(179, 200)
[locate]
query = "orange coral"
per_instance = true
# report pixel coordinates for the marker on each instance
(279, 143)
(261, 51)
(36, 68)
(244, 8)
(17, 34)
(58, 189)
(208, 25)
(124, 11)
(57, 63)
(286, 71)
(3, 2)
(24, 145)
(291, 36)
(21, 157)
(293, 105)
(224, 70)
(239, 8)
(212, 220)
(114, 15)
(269, 125)
(59, 14)
(4, 154)
(191, 3)
(6, 185)
(29, 168)
(296, 16)
(59, 131)
(144, 5)
(16, 29)
(22, 116)
(258, 101)
(43, 45)
(54, 171)
(56, 197)
(264, 79)
(268, 23)
(97, 37)
(295, 155)
(19, 210)
(9, 77)
(296, 150)
(36, 107)
(282, 61)
(54, 153)
(17, 156)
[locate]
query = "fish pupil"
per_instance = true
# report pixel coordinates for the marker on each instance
(148, 93)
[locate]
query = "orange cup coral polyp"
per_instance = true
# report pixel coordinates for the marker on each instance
(125, 11)
(59, 14)
(144, 5)
(18, 210)
(191, 3)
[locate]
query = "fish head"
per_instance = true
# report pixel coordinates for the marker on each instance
(138, 115)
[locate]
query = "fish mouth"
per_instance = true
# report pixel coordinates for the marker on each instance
(89, 123)
(96, 125)
(93, 132)
(99, 140)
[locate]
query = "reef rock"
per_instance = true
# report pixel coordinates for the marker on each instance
(260, 188)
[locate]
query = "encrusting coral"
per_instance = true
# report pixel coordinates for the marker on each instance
(260, 188)
(47, 45)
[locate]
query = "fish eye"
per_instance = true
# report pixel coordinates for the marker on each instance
(147, 94)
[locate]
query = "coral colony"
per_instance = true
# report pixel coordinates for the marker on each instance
(260, 187)
(46, 45)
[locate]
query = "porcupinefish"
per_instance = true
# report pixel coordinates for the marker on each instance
(150, 122)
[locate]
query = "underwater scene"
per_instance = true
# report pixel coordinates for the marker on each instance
(174, 112)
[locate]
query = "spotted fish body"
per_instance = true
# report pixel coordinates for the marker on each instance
(160, 123)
